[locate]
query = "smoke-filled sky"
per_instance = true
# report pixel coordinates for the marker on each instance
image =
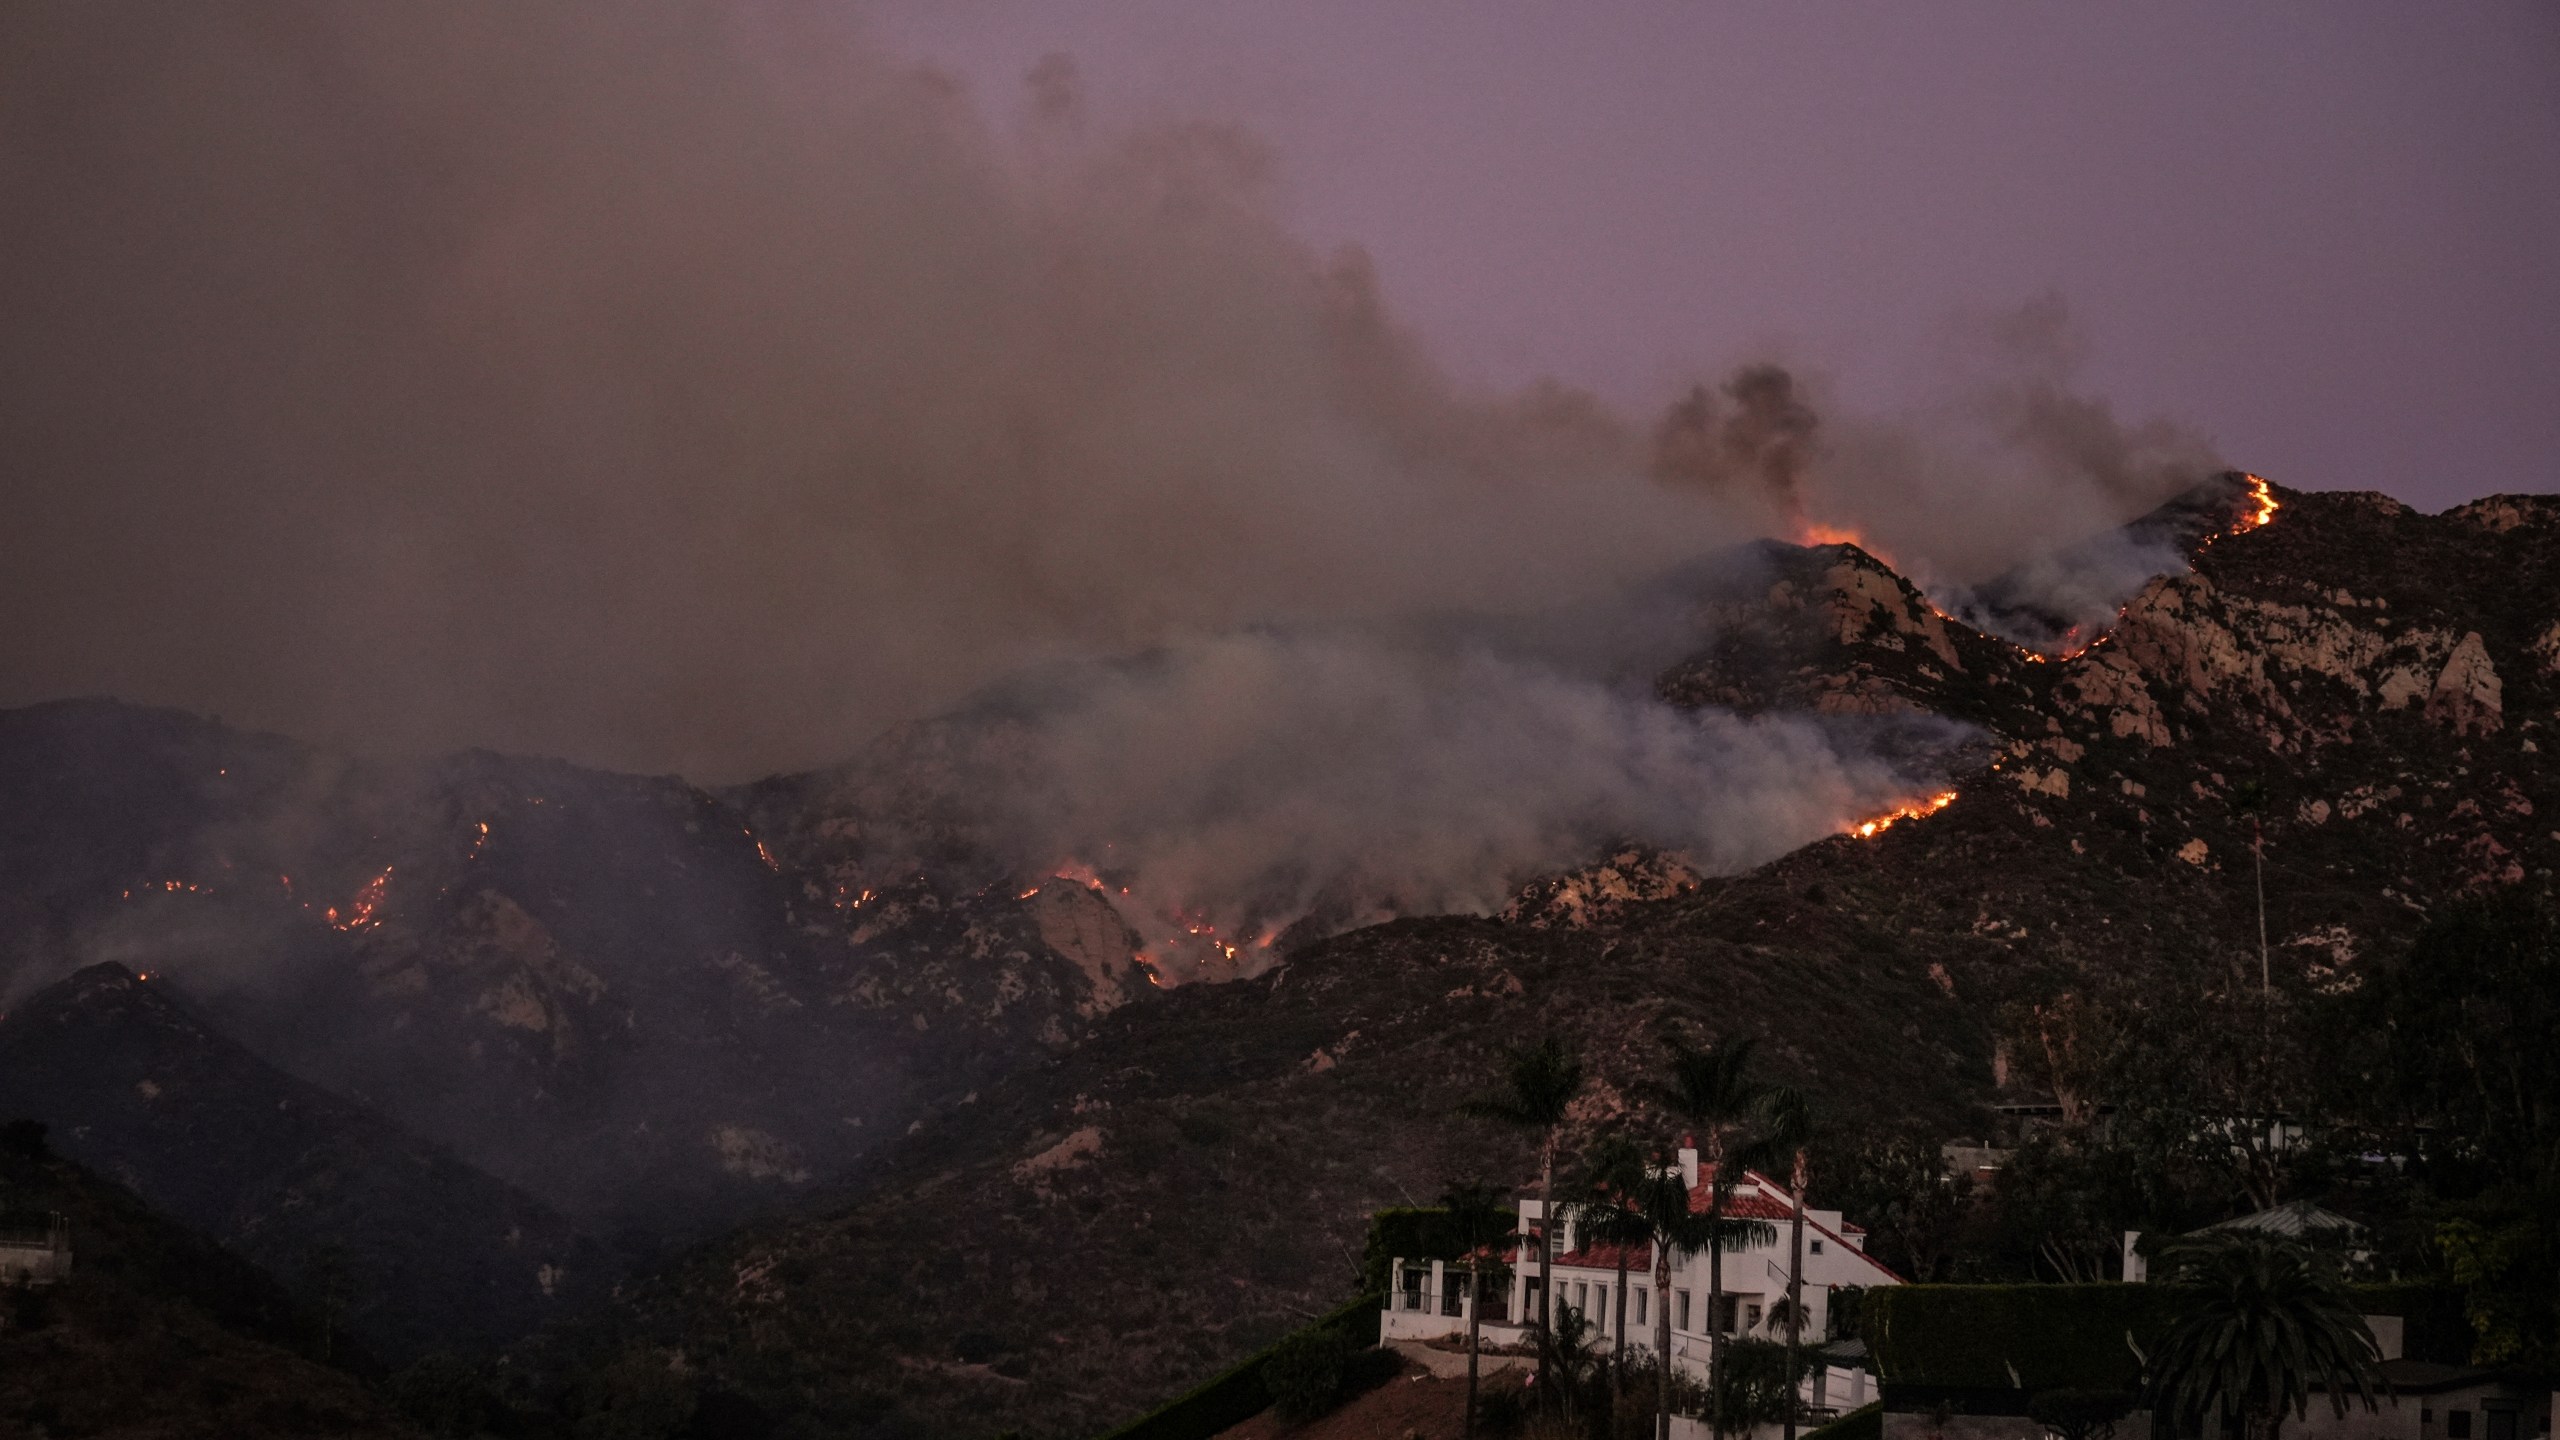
(2319, 234)
(703, 387)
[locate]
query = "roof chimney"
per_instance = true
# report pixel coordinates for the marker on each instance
(1689, 1161)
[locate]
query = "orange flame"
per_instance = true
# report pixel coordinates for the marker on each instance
(1919, 810)
(361, 911)
(2261, 495)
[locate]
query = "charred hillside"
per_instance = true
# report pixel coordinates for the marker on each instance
(419, 1251)
(2370, 688)
(158, 1331)
(601, 988)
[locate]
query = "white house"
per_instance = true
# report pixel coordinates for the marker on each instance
(36, 1254)
(1427, 1300)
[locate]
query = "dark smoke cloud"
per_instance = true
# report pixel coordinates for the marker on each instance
(688, 387)
(691, 387)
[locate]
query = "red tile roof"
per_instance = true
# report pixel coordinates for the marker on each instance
(1639, 1258)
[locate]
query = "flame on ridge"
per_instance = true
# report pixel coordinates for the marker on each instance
(1917, 810)
(2261, 495)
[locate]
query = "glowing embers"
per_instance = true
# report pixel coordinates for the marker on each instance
(364, 911)
(1919, 810)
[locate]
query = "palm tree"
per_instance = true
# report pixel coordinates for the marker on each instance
(1541, 1082)
(1787, 1125)
(1613, 1171)
(1660, 1201)
(2270, 1322)
(1477, 1221)
(1714, 1090)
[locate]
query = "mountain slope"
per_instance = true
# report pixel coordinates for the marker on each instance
(601, 988)
(426, 1252)
(159, 1332)
(1127, 1218)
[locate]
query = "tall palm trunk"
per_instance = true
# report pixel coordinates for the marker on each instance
(1475, 1317)
(1715, 1337)
(1546, 1261)
(1795, 1291)
(1618, 1358)
(1715, 1285)
(1662, 1341)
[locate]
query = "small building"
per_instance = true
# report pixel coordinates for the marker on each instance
(35, 1252)
(1427, 1300)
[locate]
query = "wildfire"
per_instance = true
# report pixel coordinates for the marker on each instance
(767, 857)
(479, 841)
(1810, 532)
(362, 911)
(1919, 810)
(2263, 497)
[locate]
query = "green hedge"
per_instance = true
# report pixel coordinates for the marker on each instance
(1418, 1232)
(1239, 1394)
(2073, 1337)
(2015, 1337)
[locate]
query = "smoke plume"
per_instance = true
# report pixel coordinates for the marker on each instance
(699, 388)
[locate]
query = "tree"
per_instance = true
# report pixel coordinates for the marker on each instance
(1790, 1127)
(1713, 1089)
(24, 1139)
(1541, 1082)
(1918, 1216)
(1476, 1219)
(2079, 1414)
(2469, 1013)
(1306, 1374)
(1659, 1199)
(1614, 1170)
(2269, 1322)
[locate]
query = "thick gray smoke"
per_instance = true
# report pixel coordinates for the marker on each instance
(689, 387)
(681, 387)
(1262, 778)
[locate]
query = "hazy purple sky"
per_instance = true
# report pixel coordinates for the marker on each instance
(2326, 235)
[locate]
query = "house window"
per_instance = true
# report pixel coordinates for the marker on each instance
(1640, 1294)
(1728, 1309)
(1751, 1318)
(2502, 1424)
(2457, 1424)
(1581, 1298)
(1413, 1276)
(1817, 1247)
(1602, 1292)
(1680, 1309)
(2426, 1414)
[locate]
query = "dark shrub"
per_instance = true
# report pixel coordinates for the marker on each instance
(24, 1139)
(1306, 1374)
(2079, 1414)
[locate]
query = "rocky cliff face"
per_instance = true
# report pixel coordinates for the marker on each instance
(2368, 690)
